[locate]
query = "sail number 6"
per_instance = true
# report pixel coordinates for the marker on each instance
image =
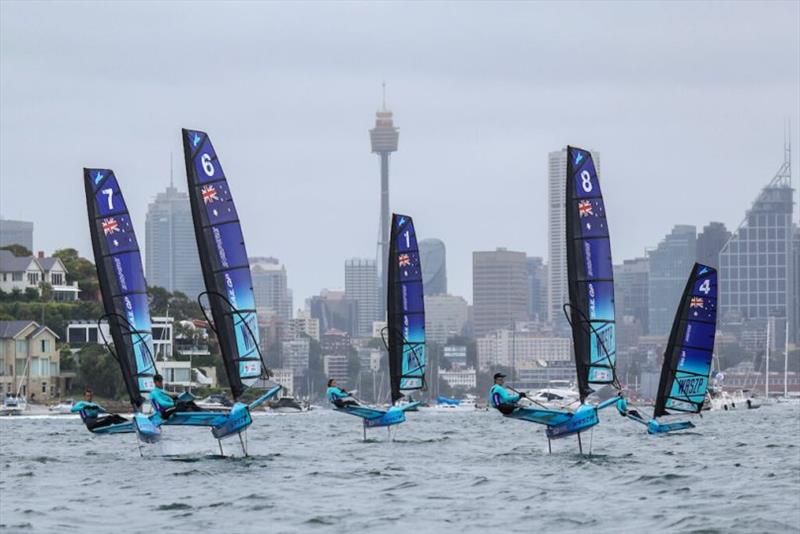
(208, 167)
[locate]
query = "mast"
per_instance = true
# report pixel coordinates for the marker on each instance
(405, 310)
(786, 362)
(223, 258)
(590, 276)
(766, 380)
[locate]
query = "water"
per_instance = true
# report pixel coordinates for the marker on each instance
(445, 472)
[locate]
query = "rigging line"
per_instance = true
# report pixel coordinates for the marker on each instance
(412, 346)
(113, 353)
(245, 322)
(615, 380)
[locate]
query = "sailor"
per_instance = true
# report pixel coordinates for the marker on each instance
(338, 396)
(167, 404)
(90, 413)
(503, 399)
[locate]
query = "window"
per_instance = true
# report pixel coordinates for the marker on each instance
(92, 335)
(35, 370)
(57, 279)
(54, 369)
(45, 345)
(16, 277)
(76, 335)
(44, 388)
(20, 366)
(33, 279)
(2, 367)
(22, 346)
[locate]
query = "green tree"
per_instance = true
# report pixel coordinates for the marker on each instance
(80, 270)
(100, 371)
(17, 250)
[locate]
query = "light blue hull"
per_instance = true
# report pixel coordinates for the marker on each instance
(584, 418)
(119, 428)
(146, 430)
(374, 418)
(562, 423)
(653, 425)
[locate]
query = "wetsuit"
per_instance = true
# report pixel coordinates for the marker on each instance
(166, 405)
(503, 400)
(339, 397)
(90, 413)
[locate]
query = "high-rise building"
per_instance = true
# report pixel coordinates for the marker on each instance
(499, 289)
(631, 293)
(295, 354)
(511, 348)
(557, 290)
(303, 325)
(333, 310)
(445, 317)
(433, 257)
(16, 233)
(796, 286)
(171, 259)
(361, 286)
(270, 287)
(670, 264)
(537, 289)
(756, 264)
(710, 242)
(383, 139)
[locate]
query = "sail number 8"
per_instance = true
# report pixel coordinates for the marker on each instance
(208, 167)
(586, 181)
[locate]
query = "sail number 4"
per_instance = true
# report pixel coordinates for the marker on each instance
(705, 287)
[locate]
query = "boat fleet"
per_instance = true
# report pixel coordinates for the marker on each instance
(229, 306)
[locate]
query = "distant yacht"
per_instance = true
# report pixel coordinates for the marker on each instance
(63, 407)
(13, 405)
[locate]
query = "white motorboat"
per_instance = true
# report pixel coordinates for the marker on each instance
(557, 394)
(63, 407)
(13, 405)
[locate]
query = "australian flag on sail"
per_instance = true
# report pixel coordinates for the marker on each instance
(121, 278)
(687, 360)
(406, 309)
(590, 274)
(223, 258)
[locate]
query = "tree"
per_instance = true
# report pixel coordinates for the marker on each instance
(17, 250)
(100, 371)
(79, 270)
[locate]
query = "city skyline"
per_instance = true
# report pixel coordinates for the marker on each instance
(476, 132)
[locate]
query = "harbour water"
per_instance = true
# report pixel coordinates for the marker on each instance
(444, 472)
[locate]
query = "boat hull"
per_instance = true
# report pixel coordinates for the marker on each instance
(583, 419)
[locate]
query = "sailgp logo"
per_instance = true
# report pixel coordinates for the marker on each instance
(195, 139)
(97, 177)
(578, 158)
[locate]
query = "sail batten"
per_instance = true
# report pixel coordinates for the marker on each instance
(405, 309)
(687, 359)
(224, 262)
(590, 275)
(121, 279)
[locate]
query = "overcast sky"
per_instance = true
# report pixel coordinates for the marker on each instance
(686, 103)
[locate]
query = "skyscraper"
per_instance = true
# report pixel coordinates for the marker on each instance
(499, 289)
(333, 310)
(756, 264)
(16, 233)
(537, 289)
(670, 264)
(445, 317)
(270, 287)
(557, 290)
(384, 138)
(171, 259)
(433, 257)
(361, 286)
(631, 288)
(710, 243)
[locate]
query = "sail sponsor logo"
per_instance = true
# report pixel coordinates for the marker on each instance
(592, 301)
(223, 256)
(691, 386)
(123, 283)
(686, 337)
(231, 291)
(129, 311)
(587, 251)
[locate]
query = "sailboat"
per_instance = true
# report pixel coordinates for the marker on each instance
(590, 310)
(687, 360)
(122, 285)
(405, 327)
(229, 287)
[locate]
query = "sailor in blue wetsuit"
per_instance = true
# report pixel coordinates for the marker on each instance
(90, 413)
(501, 398)
(338, 396)
(166, 404)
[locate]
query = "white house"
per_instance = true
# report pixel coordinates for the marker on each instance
(26, 272)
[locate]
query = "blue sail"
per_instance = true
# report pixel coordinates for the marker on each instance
(223, 257)
(405, 309)
(687, 360)
(590, 275)
(122, 283)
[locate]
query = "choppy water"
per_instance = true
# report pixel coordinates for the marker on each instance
(445, 472)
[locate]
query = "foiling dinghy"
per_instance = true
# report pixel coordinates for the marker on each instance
(590, 310)
(405, 328)
(687, 360)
